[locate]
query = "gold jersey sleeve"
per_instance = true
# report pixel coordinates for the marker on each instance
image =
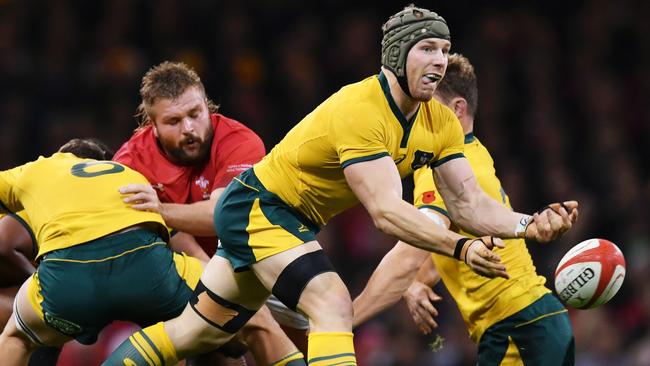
(70, 201)
(358, 123)
(482, 301)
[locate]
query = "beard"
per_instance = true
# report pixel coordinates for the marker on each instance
(180, 157)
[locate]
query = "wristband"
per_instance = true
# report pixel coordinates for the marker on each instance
(520, 229)
(460, 244)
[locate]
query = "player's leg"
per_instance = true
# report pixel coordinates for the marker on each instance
(222, 303)
(267, 341)
(262, 335)
(494, 346)
(294, 324)
(303, 279)
(542, 326)
(526, 337)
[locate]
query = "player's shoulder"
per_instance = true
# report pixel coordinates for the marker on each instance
(364, 98)
(440, 111)
(229, 132)
(141, 143)
(226, 126)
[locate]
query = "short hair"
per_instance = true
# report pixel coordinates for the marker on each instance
(168, 80)
(460, 81)
(88, 148)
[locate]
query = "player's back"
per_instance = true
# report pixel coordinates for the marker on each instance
(483, 301)
(70, 200)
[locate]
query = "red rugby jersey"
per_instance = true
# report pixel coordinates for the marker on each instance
(235, 148)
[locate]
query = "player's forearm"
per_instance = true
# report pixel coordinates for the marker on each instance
(194, 218)
(482, 215)
(388, 282)
(401, 220)
(428, 274)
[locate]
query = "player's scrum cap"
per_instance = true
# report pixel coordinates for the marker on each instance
(405, 29)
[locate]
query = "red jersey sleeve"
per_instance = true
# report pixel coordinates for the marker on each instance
(237, 150)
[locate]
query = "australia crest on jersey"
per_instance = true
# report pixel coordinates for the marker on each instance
(420, 159)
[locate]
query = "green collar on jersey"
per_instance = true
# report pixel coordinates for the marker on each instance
(469, 137)
(406, 125)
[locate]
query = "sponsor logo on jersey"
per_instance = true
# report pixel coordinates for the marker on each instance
(64, 326)
(238, 168)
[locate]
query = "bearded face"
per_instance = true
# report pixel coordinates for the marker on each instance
(183, 128)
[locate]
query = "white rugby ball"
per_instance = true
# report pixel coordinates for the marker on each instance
(590, 274)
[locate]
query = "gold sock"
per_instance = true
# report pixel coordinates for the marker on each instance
(329, 348)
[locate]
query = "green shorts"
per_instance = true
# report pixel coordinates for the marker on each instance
(253, 223)
(538, 335)
(131, 276)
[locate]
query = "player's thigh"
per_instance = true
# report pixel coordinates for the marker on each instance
(222, 303)
(269, 269)
(303, 279)
(542, 326)
(243, 288)
(28, 316)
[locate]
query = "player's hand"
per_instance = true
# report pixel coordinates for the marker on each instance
(419, 298)
(552, 221)
(142, 197)
(482, 260)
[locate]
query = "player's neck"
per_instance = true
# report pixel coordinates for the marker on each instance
(468, 125)
(407, 105)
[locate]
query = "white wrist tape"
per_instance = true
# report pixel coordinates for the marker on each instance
(520, 229)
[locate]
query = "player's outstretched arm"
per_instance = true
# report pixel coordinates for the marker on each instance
(378, 186)
(419, 297)
(476, 212)
(193, 218)
(388, 282)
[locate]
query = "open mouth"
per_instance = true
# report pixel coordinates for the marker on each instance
(433, 77)
(190, 144)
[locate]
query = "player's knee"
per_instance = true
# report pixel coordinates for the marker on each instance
(327, 304)
(336, 304)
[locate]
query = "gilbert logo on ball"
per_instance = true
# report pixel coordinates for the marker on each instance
(590, 274)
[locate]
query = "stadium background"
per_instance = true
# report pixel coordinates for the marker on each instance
(563, 107)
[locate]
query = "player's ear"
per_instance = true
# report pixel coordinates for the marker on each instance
(154, 128)
(459, 106)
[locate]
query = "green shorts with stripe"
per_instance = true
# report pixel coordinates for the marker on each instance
(130, 276)
(253, 223)
(538, 335)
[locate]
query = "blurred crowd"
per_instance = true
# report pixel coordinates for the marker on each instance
(563, 87)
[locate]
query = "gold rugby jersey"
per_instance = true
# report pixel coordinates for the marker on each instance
(70, 200)
(360, 122)
(482, 301)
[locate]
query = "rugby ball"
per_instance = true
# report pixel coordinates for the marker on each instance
(590, 274)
